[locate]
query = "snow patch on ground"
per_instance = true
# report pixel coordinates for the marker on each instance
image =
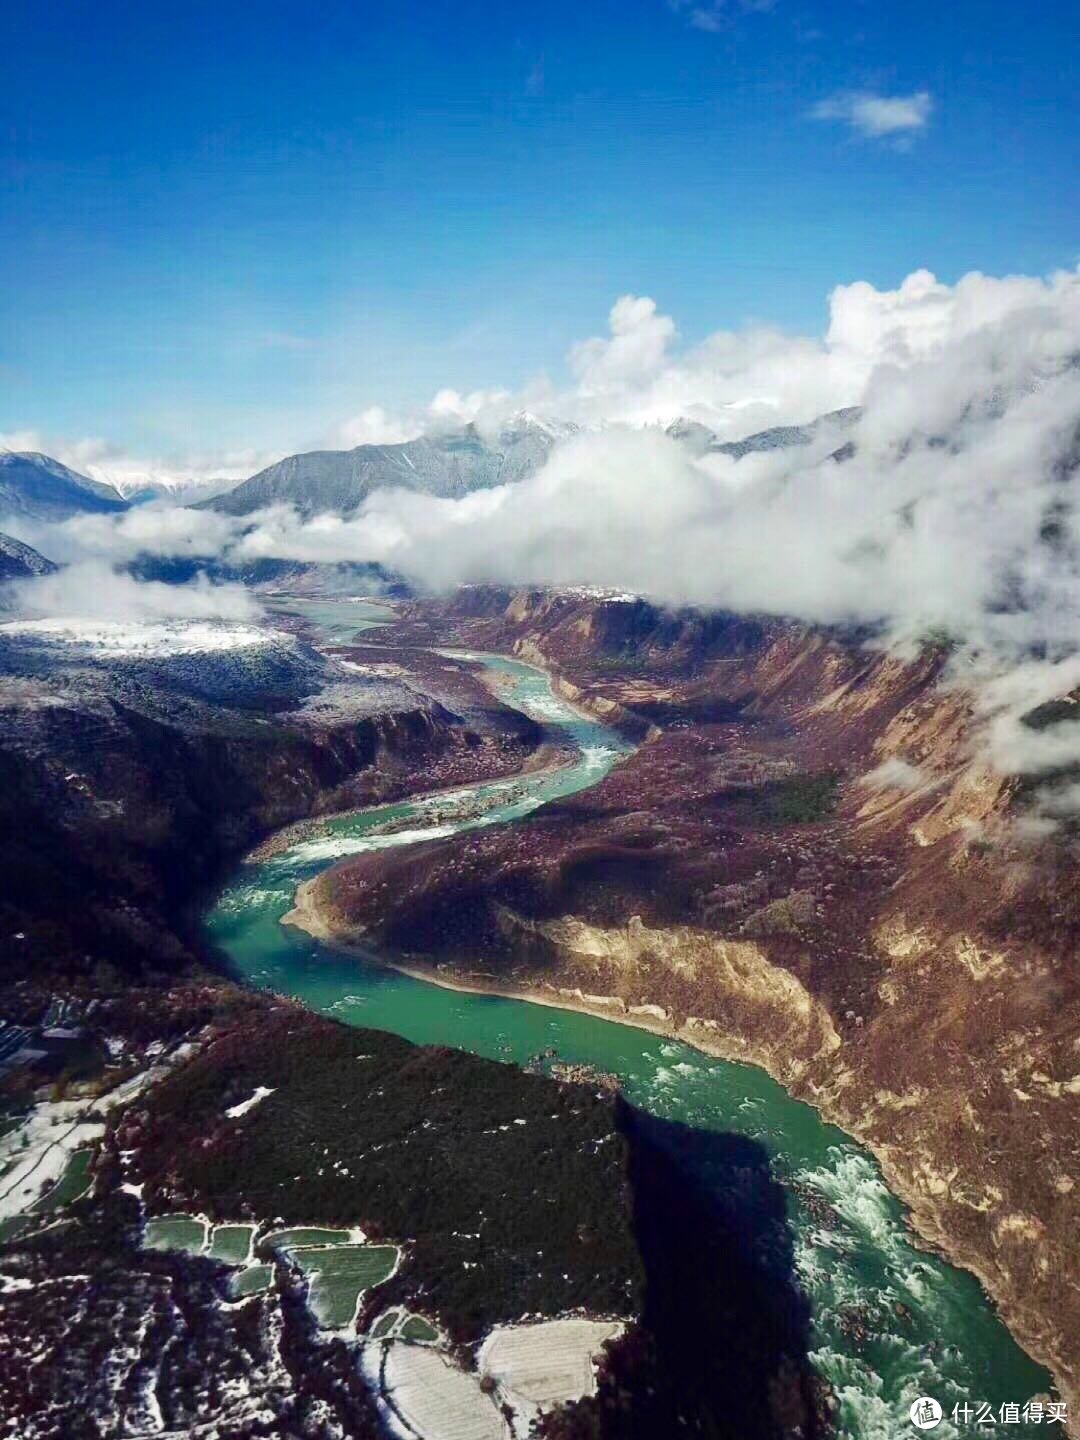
(39, 1149)
(261, 1092)
(535, 1367)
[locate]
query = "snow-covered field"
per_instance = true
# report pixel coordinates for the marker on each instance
(427, 1395)
(38, 1150)
(537, 1367)
(534, 1368)
(126, 639)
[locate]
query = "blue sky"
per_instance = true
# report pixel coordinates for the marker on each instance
(229, 225)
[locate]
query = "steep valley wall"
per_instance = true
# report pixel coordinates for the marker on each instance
(809, 864)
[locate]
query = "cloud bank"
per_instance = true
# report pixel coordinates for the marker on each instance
(957, 511)
(948, 510)
(734, 381)
(952, 514)
(92, 590)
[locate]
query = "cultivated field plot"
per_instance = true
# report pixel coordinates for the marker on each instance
(537, 1367)
(13, 1226)
(418, 1330)
(231, 1243)
(176, 1232)
(310, 1235)
(339, 1275)
(39, 1168)
(435, 1399)
(400, 1325)
(72, 1185)
(251, 1281)
(338, 1266)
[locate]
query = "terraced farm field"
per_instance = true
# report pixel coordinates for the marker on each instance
(309, 1235)
(251, 1281)
(231, 1243)
(426, 1392)
(176, 1232)
(339, 1276)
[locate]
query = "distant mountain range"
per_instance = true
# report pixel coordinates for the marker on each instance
(702, 441)
(447, 466)
(40, 488)
(176, 492)
(297, 576)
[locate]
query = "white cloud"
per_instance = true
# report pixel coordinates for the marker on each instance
(1017, 748)
(447, 409)
(198, 471)
(739, 381)
(895, 774)
(636, 348)
(877, 116)
(970, 396)
(716, 15)
(451, 407)
(375, 426)
(92, 590)
(158, 528)
(21, 440)
(956, 513)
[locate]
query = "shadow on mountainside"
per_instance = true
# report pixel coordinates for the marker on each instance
(722, 1350)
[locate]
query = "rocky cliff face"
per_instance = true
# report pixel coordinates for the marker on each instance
(807, 864)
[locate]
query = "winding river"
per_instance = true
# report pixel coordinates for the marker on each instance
(926, 1327)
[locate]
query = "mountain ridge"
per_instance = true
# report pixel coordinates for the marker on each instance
(447, 466)
(19, 561)
(705, 441)
(37, 487)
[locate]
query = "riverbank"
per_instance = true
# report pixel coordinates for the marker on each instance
(551, 755)
(922, 1217)
(547, 759)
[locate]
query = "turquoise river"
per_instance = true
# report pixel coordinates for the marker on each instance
(933, 1331)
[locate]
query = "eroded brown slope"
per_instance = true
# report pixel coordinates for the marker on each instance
(888, 950)
(120, 803)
